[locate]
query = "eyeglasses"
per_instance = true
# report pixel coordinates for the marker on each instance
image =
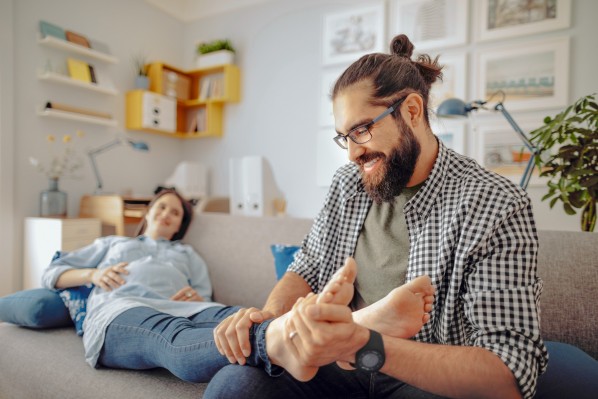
(361, 134)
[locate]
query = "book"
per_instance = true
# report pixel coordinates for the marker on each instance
(48, 29)
(92, 74)
(77, 38)
(79, 70)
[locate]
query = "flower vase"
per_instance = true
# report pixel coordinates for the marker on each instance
(52, 202)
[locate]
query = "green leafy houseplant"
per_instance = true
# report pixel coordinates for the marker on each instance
(215, 45)
(569, 143)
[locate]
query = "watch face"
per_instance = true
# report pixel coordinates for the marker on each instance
(370, 360)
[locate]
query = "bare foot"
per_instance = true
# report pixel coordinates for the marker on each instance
(339, 290)
(401, 313)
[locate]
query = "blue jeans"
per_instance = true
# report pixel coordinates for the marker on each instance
(571, 373)
(143, 338)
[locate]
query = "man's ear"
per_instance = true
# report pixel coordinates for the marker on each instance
(413, 107)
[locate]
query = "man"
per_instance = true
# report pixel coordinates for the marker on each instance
(406, 206)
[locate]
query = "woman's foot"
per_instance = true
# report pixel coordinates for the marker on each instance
(401, 313)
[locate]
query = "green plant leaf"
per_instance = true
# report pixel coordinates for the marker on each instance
(568, 209)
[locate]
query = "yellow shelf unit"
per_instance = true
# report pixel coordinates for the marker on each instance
(202, 96)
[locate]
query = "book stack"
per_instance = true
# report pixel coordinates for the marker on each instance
(211, 86)
(197, 121)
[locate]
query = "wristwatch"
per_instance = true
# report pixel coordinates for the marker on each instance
(371, 357)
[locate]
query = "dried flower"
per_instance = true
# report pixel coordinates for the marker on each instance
(64, 159)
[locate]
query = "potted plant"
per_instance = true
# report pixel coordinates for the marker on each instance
(141, 79)
(215, 52)
(569, 142)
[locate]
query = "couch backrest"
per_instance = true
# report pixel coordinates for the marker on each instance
(568, 265)
(237, 251)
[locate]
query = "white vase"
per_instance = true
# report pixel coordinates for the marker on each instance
(215, 58)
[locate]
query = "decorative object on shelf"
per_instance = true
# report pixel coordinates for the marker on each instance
(454, 107)
(79, 70)
(141, 79)
(77, 39)
(52, 202)
(64, 164)
(571, 141)
(215, 52)
(119, 140)
(48, 29)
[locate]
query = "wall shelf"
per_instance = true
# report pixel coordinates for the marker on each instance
(53, 113)
(61, 79)
(54, 42)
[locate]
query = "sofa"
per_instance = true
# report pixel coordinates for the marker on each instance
(49, 363)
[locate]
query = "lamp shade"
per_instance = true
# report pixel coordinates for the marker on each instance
(139, 145)
(453, 107)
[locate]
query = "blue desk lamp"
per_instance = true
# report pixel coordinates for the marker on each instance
(454, 107)
(137, 145)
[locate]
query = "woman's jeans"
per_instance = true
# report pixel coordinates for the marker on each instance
(143, 338)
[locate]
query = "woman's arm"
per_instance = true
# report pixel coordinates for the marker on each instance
(107, 278)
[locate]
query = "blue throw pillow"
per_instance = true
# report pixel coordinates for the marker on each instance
(283, 257)
(75, 300)
(36, 308)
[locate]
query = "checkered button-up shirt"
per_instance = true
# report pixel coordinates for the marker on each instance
(473, 233)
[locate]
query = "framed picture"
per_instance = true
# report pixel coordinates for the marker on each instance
(532, 75)
(453, 84)
(349, 35)
(329, 77)
(451, 132)
(329, 156)
(501, 150)
(432, 23)
(498, 19)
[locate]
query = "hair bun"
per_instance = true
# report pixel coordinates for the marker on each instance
(401, 46)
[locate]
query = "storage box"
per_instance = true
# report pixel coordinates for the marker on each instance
(220, 57)
(175, 85)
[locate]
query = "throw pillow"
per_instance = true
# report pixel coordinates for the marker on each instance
(283, 257)
(75, 300)
(36, 308)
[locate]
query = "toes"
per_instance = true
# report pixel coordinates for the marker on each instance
(426, 318)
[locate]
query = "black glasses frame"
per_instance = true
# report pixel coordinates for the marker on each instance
(361, 134)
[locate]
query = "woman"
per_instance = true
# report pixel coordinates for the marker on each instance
(151, 305)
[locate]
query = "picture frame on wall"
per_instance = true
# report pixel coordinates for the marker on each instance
(454, 80)
(431, 23)
(452, 132)
(329, 77)
(499, 19)
(350, 34)
(531, 75)
(501, 150)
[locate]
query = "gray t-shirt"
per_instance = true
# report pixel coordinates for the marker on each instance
(382, 252)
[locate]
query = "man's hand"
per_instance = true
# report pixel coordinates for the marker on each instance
(110, 278)
(232, 334)
(187, 294)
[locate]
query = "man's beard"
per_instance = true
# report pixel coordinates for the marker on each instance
(396, 171)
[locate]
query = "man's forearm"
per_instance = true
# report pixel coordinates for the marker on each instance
(453, 371)
(285, 293)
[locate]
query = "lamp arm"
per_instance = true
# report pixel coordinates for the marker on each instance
(500, 107)
(527, 174)
(105, 147)
(95, 172)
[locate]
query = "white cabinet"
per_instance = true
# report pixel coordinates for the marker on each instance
(152, 111)
(45, 236)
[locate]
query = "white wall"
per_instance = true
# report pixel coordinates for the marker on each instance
(280, 58)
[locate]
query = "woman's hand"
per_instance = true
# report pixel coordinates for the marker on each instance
(110, 278)
(187, 294)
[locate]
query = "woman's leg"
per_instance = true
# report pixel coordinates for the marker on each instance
(143, 338)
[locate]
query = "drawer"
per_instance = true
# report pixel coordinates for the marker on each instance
(81, 229)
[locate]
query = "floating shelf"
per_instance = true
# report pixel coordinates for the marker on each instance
(77, 49)
(52, 113)
(58, 78)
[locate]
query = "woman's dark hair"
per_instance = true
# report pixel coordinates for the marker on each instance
(394, 74)
(187, 214)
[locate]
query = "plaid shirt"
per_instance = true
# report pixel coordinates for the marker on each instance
(470, 230)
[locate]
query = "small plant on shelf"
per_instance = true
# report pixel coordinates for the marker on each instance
(141, 79)
(215, 45)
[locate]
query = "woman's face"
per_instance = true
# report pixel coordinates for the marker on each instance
(164, 217)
